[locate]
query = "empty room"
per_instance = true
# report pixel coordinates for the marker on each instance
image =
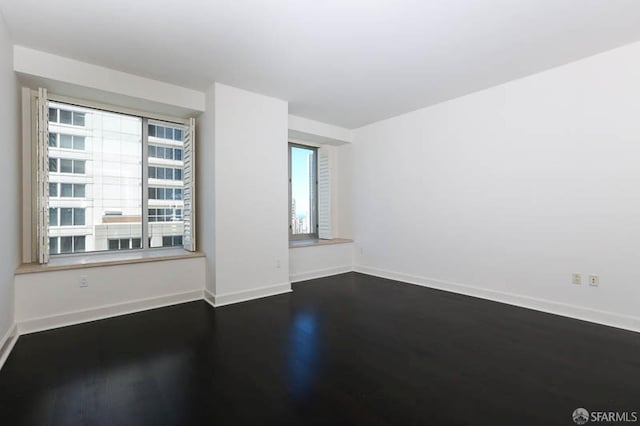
(278, 212)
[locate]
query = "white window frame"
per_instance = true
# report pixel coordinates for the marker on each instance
(314, 202)
(31, 204)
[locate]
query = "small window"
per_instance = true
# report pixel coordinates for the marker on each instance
(53, 140)
(79, 190)
(66, 216)
(53, 245)
(66, 141)
(53, 189)
(53, 115)
(79, 166)
(124, 243)
(171, 240)
(53, 165)
(66, 244)
(66, 165)
(65, 117)
(78, 217)
(78, 142)
(78, 118)
(53, 217)
(79, 244)
(178, 154)
(66, 190)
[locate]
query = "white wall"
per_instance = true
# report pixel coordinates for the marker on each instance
(512, 189)
(342, 191)
(55, 298)
(205, 187)
(9, 181)
(65, 76)
(317, 131)
(251, 214)
(310, 262)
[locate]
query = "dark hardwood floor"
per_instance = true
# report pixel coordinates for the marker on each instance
(350, 349)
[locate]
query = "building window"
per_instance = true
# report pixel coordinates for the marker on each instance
(68, 190)
(165, 153)
(167, 173)
(124, 243)
(67, 216)
(163, 132)
(65, 116)
(98, 185)
(171, 240)
(165, 215)
(64, 141)
(165, 193)
(68, 244)
(66, 165)
(303, 192)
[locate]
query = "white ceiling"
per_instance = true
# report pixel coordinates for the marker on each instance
(345, 62)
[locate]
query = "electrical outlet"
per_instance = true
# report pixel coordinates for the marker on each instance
(84, 281)
(594, 280)
(576, 278)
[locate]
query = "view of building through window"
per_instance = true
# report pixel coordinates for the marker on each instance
(96, 186)
(303, 219)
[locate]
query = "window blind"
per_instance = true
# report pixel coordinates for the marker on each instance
(42, 175)
(189, 237)
(324, 194)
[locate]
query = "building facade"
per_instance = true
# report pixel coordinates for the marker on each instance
(96, 181)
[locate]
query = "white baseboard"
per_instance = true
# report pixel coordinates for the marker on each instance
(585, 314)
(209, 297)
(217, 300)
(7, 342)
(320, 273)
(107, 311)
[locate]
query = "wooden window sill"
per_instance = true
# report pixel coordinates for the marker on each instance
(96, 260)
(315, 242)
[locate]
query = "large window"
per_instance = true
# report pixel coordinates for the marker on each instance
(303, 191)
(115, 181)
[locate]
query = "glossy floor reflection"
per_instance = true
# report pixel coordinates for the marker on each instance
(350, 349)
